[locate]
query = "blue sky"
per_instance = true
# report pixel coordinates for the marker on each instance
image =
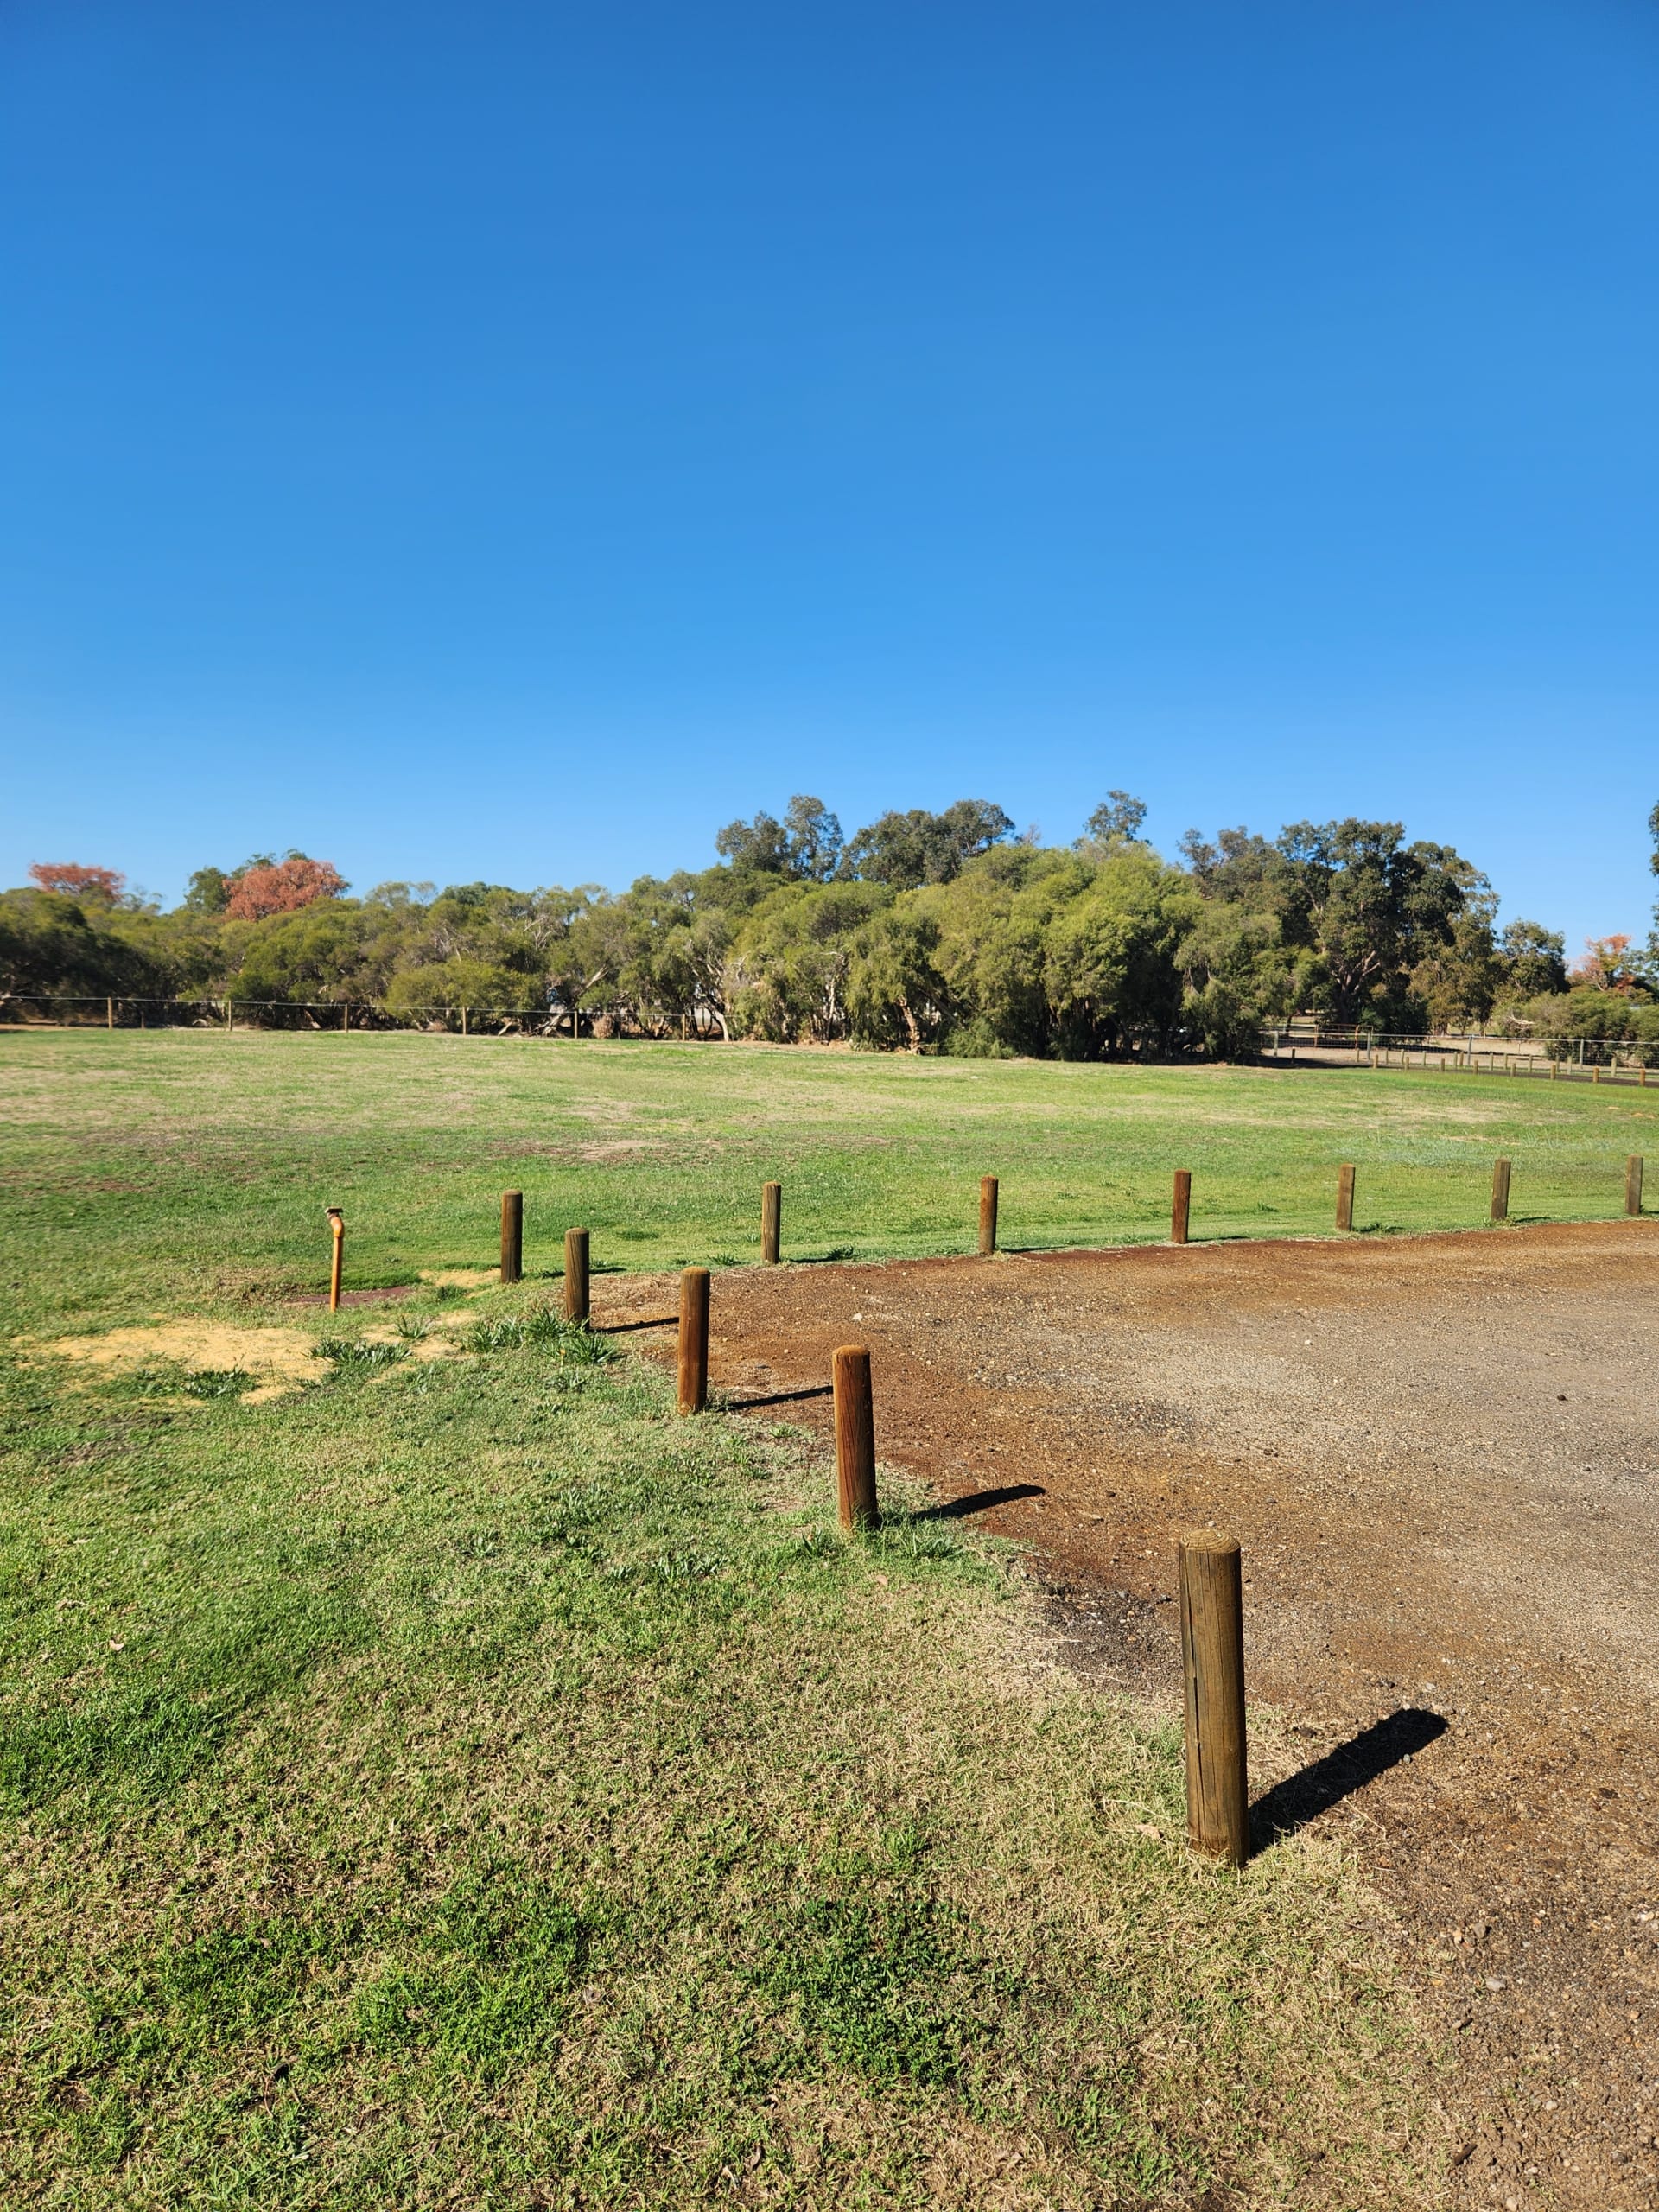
(510, 441)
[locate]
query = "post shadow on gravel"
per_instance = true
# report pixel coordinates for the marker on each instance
(980, 1501)
(1301, 1797)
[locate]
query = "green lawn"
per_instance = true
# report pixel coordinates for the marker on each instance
(455, 1781)
(187, 1162)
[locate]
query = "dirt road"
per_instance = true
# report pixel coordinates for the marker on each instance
(1442, 1457)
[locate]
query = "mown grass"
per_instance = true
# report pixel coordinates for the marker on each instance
(202, 1159)
(459, 1782)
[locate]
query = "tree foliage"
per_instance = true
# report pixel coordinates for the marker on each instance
(921, 931)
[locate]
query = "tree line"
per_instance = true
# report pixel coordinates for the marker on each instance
(923, 931)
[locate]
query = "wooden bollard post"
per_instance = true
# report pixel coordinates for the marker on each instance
(1500, 1189)
(1180, 1213)
(772, 1223)
(337, 1222)
(855, 1437)
(1345, 1197)
(987, 1216)
(575, 1274)
(694, 1340)
(1212, 1661)
(1633, 1183)
(512, 1236)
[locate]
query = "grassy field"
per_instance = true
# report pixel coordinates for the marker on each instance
(434, 1775)
(210, 1158)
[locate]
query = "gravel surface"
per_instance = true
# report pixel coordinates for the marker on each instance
(1441, 1454)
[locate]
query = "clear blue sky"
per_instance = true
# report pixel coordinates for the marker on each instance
(510, 441)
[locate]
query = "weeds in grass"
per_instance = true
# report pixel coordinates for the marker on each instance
(542, 1330)
(414, 1328)
(354, 1356)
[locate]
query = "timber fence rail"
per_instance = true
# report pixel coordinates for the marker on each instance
(1564, 1060)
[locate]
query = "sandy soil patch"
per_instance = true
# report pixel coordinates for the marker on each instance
(278, 1359)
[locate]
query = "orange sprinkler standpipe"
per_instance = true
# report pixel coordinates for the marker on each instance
(337, 1222)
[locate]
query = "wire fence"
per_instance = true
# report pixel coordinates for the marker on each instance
(26, 1010)
(1564, 1060)
(1575, 1059)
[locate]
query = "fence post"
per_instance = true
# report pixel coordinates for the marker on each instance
(463, 1021)
(694, 1340)
(337, 1224)
(987, 1216)
(109, 1014)
(230, 1007)
(1633, 1183)
(772, 1223)
(855, 1437)
(1180, 1212)
(345, 1014)
(512, 1236)
(1212, 1662)
(1595, 1071)
(1500, 1189)
(575, 1274)
(1345, 1197)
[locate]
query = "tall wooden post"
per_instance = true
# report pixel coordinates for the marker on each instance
(1212, 1661)
(1633, 1183)
(855, 1437)
(1345, 1197)
(512, 1236)
(987, 1216)
(575, 1274)
(1500, 1189)
(109, 1014)
(1180, 1212)
(337, 1224)
(694, 1340)
(772, 1223)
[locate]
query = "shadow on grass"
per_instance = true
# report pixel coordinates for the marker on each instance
(1301, 1797)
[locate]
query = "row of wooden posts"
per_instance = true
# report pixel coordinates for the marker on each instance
(772, 1209)
(1210, 1578)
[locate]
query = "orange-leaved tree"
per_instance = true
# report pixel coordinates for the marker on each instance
(103, 884)
(282, 887)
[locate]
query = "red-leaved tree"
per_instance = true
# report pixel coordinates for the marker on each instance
(282, 887)
(1605, 965)
(104, 884)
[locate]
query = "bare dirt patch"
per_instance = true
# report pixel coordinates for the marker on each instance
(278, 1359)
(1442, 1456)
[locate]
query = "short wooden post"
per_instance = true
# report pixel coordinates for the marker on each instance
(1500, 1189)
(987, 1216)
(855, 1437)
(575, 1274)
(230, 1005)
(463, 1021)
(1633, 1183)
(109, 1012)
(1212, 1661)
(694, 1340)
(772, 1223)
(337, 1224)
(512, 1236)
(1595, 1071)
(345, 1015)
(1345, 1197)
(1180, 1213)
(1553, 1072)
